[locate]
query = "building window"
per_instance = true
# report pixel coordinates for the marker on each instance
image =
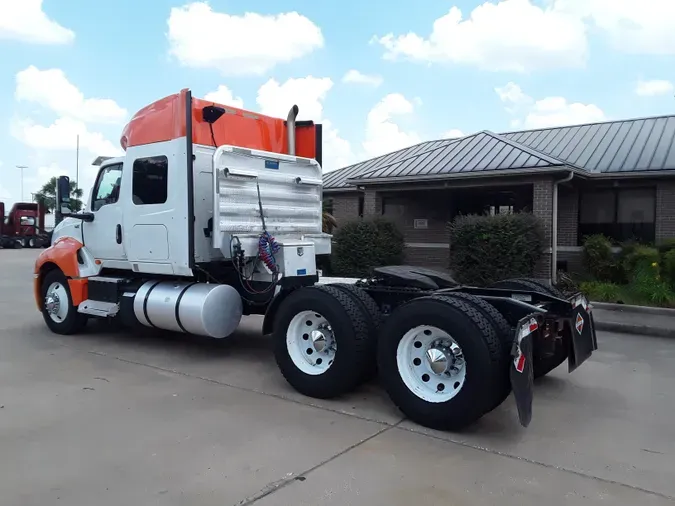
(150, 183)
(620, 214)
(362, 203)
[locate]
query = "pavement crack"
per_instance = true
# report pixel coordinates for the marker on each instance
(275, 486)
(238, 387)
(581, 474)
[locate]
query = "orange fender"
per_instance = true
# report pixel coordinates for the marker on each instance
(62, 255)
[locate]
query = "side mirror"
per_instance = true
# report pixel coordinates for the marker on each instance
(63, 195)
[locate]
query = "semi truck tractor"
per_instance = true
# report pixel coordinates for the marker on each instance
(24, 226)
(214, 213)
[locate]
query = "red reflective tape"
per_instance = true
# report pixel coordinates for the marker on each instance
(534, 326)
(520, 365)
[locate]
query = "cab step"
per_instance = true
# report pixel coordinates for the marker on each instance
(99, 308)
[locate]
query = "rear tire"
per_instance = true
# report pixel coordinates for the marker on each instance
(541, 365)
(456, 396)
(506, 337)
(57, 305)
(373, 321)
(322, 343)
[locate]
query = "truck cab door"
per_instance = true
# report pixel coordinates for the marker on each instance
(104, 236)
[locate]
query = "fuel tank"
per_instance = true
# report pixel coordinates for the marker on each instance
(195, 308)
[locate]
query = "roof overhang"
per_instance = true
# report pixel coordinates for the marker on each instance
(494, 174)
(471, 175)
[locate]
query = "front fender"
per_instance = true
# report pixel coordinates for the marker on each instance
(62, 255)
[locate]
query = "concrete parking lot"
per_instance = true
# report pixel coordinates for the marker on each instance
(110, 417)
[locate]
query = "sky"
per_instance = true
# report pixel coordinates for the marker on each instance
(379, 75)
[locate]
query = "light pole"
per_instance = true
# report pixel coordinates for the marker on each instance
(21, 167)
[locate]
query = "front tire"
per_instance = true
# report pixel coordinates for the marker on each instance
(441, 361)
(322, 341)
(32, 242)
(58, 311)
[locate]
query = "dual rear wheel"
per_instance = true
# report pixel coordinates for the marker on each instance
(441, 359)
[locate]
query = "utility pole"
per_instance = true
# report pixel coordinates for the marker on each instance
(77, 163)
(21, 167)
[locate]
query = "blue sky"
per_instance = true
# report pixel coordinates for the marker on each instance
(424, 70)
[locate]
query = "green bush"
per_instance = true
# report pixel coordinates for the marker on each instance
(485, 249)
(361, 245)
(599, 259)
(668, 267)
(639, 257)
(602, 292)
(647, 285)
(666, 246)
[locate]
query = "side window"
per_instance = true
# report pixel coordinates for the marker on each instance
(107, 190)
(150, 182)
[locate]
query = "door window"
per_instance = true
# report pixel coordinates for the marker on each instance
(107, 189)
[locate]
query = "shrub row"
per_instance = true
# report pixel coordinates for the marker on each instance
(485, 249)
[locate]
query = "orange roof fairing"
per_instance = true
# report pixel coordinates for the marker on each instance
(165, 120)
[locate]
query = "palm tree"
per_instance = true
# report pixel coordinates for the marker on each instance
(328, 220)
(47, 195)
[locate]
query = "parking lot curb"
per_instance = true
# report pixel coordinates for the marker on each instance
(634, 309)
(629, 328)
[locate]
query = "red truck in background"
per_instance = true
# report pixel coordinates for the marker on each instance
(23, 226)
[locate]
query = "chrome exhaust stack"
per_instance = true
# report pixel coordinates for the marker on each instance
(290, 125)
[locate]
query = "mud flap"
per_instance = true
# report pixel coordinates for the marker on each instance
(584, 340)
(521, 369)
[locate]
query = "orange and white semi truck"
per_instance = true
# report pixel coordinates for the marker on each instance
(214, 213)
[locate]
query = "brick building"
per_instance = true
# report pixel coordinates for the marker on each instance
(615, 178)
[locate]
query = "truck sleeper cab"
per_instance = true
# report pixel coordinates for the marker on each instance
(214, 213)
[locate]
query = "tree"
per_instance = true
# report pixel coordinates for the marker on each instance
(328, 220)
(47, 195)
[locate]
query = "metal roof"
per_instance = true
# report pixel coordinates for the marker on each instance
(617, 147)
(484, 151)
(337, 179)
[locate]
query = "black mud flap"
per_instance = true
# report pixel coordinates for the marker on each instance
(584, 340)
(521, 368)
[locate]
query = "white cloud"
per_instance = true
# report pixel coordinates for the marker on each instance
(51, 89)
(62, 135)
(509, 35)
(654, 87)
(546, 112)
(275, 99)
(25, 21)
(383, 135)
(54, 145)
(224, 96)
(644, 27)
(453, 133)
(248, 44)
(308, 93)
(356, 77)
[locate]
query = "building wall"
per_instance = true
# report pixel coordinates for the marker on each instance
(429, 246)
(345, 206)
(665, 210)
(542, 206)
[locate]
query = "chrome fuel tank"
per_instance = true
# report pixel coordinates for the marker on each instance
(194, 308)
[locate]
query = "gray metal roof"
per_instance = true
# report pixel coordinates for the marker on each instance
(484, 151)
(337, 179)
(616, 147)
